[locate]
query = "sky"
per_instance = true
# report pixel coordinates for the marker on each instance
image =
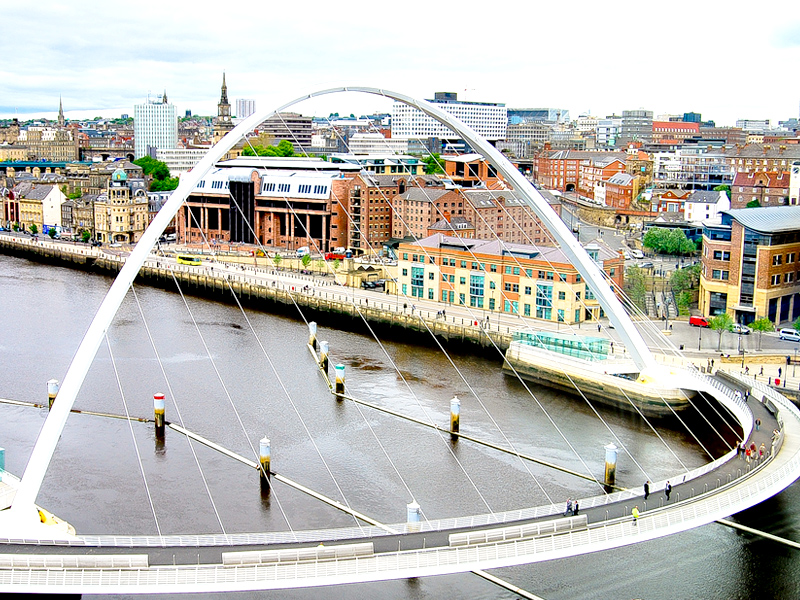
(725, 60)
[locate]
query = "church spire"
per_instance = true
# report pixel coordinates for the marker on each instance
(224, 97)
(61, 120)
(164, 97)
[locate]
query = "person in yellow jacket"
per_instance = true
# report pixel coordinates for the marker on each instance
(635, 513)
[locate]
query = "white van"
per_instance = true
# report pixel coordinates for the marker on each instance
(301, 252)
(789, 334)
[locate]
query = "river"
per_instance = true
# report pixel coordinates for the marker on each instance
(237, 378)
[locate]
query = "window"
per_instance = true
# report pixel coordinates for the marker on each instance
(723, 275)
(721, 255)
(528, 290)
(526, 310)
(430, 294)
(462, 280)
(508, 270)
(417, 281)
(777, 260)
(516, 270)
(493, 268)
(562, 295)
(405, 272)
(492, 285)
(304, 188)
(511, 307)
(283, 188)
(431, 275)
(776, 279)
(790, 258)
(788, 277)
(544, 301)
(463, 264)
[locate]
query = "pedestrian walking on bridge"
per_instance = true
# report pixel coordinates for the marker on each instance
(667, 490)
(635, 513)
(646, 489)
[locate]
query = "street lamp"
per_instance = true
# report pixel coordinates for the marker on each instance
(741, 349)
(699, 337)
(794, 362)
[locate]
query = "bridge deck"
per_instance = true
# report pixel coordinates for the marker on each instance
(728, 486)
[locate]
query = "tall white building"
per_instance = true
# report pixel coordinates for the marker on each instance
(245, 108)
(155, 124)
(488, 119)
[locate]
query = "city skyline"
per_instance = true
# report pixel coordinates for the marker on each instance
(102, 59)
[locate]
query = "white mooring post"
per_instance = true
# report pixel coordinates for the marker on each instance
(52, 392)
(339, 385)
(611, 464)
(413, 516)
(312, 334)
(264, 460)
(455, 417)
(323, 357)
(159, 410)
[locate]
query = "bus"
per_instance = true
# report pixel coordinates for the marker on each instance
(187, 259)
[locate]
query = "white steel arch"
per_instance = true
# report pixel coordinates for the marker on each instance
(22, 516)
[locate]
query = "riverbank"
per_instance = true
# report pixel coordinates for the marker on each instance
(281, 292)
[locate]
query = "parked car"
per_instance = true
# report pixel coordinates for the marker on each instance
(698, 321)
(646, 265)
(741, 329)
(637, 254)
(791, 335)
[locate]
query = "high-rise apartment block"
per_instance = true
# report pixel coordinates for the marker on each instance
(245, 108)
(488, 119)
(155, 125)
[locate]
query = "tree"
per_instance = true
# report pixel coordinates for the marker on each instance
(284, 148)
(34, 229)
(159, 172)
(85, 237)
(635, 286)
(761, 325)
(724, 188)
(671, 240)
(753, 204)
(684, 300)
(320, 264)
(52, 233)
(306, 260)
(721, 323)
(277, 260)
(432, 164)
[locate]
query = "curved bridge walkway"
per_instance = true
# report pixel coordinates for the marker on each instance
(105, 564)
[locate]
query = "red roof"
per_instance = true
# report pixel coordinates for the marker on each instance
(770, 179)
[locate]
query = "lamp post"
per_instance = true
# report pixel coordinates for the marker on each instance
(741, 349)
(699, 337)
(794, 362)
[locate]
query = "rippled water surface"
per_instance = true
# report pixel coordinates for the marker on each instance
(235, 379)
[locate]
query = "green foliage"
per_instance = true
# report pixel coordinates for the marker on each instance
(684, 279)
(761, 325)
(635, 286)
(721, 323)
(34, 229)
(164, 185)
(277, 260)
(85, 237)
(432, 164)
(306, 260)
(162, 182)
(753, 204)
(684, 300)
(668, 241)
(796, 324)
(284, 148)
(723, 188)
(15, 227)
(52, 233)
(336, 263)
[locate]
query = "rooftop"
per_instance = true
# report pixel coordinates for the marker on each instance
(770, 219)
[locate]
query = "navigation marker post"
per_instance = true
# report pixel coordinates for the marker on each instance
(455, 417)
(323, 357)
(413, 515)
(52, 392)
(312, 334)
(339, 385)
(264, 460)
(611, 464)
(159, 409)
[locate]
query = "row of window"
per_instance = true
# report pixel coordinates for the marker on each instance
(777, 259)
(787, 278)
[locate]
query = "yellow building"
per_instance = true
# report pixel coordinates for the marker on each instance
(121, 214)
(490, 275)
